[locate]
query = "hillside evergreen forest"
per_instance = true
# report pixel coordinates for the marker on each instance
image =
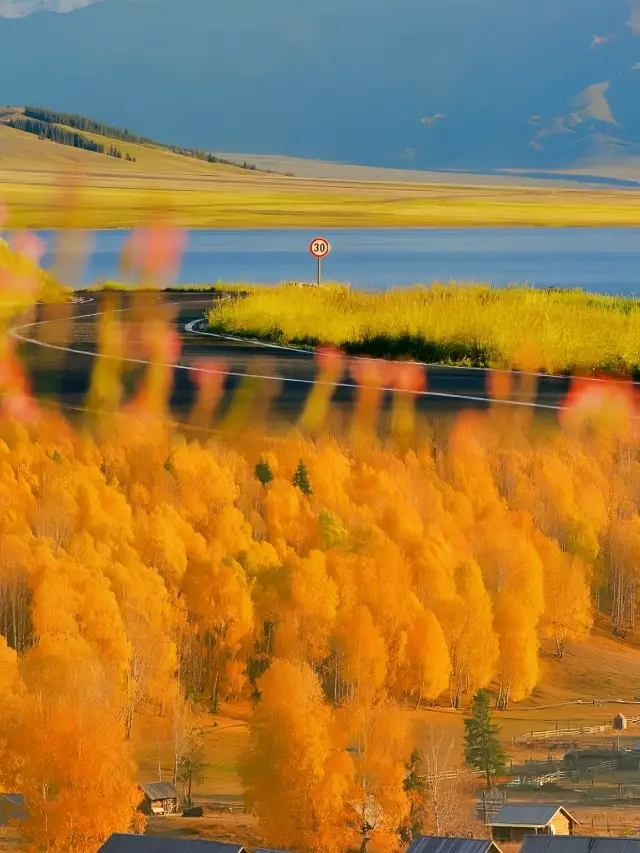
(62, 136)
(51, 124)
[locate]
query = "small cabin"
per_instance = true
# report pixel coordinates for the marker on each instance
(159, 798)
(123, 843)
(436, 844)
(516, 820)
(620, 722)
(12, 807)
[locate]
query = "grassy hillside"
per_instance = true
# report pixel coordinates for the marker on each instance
(117, 192)
(155, 156)
(464, 324)
(48, 289)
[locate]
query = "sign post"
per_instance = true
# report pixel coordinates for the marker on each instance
(319, 248)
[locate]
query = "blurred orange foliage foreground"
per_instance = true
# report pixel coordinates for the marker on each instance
(331, 580)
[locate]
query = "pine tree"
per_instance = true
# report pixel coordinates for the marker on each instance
(482, 749)
(263, 472)
(301, 479)
(413, 785)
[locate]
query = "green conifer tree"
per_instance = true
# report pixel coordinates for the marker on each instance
(263, 472)
(301, 479)
(482, 749)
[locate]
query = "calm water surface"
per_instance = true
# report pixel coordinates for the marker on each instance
(602, 260)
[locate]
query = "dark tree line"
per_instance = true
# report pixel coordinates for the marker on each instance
(87, 124)
(78, 122)
(56, 134)
(63, 136)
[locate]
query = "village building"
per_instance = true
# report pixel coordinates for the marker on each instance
(12, 807)
(579, 844)
(435, 844)
(514, 821)
(620, 722)
(123, 843)
(159, 798)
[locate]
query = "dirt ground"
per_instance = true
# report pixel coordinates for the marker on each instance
(595, 674)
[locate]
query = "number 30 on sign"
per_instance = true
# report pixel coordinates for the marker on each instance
(319, 247)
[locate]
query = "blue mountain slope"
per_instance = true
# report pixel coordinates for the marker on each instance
(422, 83)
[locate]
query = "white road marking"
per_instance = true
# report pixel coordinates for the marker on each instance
(15, 333)
(191, 327)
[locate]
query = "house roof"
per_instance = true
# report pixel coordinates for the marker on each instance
(433, 844)
(12, 807)
(121, 843)
(159, 790)
(579, 844)
(528, 815)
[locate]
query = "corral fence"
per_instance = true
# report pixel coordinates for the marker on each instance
(456, 773)
(544, 779)
(603, 767)
(230, 807)
(618, 827)
(576, 731)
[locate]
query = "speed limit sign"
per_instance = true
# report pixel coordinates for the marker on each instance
(319, 248)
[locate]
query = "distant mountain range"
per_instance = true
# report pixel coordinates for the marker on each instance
(425, 84)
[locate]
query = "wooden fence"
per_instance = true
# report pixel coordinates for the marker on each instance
(546, 778)
(547, 734)
(603, 767)
(449, 774)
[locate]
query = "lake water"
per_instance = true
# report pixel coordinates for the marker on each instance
(602, 260)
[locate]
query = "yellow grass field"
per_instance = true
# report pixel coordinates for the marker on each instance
(116, 193)
(470, 324)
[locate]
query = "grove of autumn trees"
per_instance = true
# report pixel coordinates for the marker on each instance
(138, 567)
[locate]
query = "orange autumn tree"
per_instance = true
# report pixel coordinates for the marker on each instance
(468, 621)
(378, 803)
(297, 771)
(427, 663)
(64, 750)
(568, 612)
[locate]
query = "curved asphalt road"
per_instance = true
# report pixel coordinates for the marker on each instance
(62, 370)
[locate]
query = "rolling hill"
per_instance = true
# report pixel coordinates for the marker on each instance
(25, 131)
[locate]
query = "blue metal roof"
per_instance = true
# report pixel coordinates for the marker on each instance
(579, 844)
(434, 844)
(527, 814)
(122, 843)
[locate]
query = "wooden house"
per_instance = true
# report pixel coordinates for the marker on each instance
(516, 820)
(159, 798)
(12, 807)
(620, 722)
